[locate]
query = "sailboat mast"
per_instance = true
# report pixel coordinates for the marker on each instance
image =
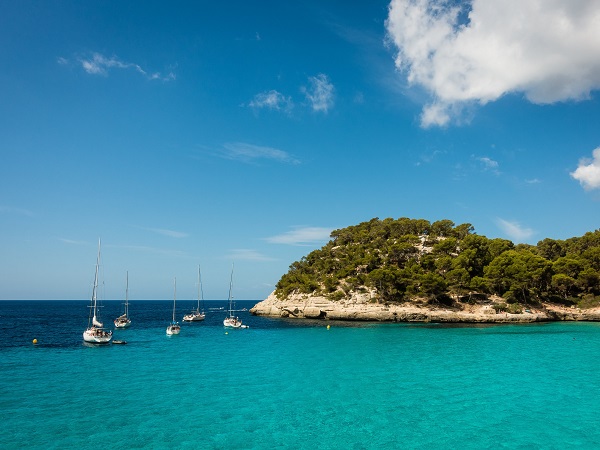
(174, 296)
(127, 294)
(95, 289)
(199, 287)
(230, 286)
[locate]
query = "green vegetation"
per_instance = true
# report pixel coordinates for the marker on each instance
(405, 259)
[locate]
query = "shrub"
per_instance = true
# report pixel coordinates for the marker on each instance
(515, 308)
(337, 296)
(500, 307)
(589, 301)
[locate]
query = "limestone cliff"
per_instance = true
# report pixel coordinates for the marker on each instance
(359, 307)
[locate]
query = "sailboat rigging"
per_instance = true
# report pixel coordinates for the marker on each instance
(197, 315)
(232, 321)
(95, 332)
(174, 327)
(123, 320)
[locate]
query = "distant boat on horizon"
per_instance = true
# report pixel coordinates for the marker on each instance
(95, 332)
(123, 320)
(174, 327)
(197, 315)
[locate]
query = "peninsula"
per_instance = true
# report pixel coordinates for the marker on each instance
(411, 270)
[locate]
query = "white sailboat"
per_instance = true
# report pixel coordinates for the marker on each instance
(95, 332)
(232, 321)
(174, 327)
(197, 315)
(123, 320)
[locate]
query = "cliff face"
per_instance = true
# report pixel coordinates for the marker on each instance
(360, 308)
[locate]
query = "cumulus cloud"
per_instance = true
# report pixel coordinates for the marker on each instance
(474, 52)
(319, 93)
(301, 236)
(99, 64)
(514, 230)
(588, 171)
(244, 152)
(272, 100)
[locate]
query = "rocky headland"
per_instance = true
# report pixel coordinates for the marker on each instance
(360, 307)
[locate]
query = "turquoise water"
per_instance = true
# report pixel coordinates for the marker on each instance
(282, 384)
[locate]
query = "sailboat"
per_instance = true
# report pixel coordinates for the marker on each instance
(232, 321)
(174, 327)
(123, 320)
(95, 333)
(197, 315)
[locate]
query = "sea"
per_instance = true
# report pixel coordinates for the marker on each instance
(292, 384)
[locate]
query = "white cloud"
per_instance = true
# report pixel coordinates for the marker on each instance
(248, 255)
(478, 51)
(247, 152)
(272, 100)
(514, 230)
(319, 93)
(489, 164)
(99, 64)
(302, 236)
(435, 114)
(588, 171)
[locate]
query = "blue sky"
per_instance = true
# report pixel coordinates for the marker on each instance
(244, 132)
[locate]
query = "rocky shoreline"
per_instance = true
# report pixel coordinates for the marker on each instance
(360, 308)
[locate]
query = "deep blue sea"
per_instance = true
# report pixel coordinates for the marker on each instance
(292, 385)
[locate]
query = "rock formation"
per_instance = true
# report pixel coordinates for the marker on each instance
(360, 307)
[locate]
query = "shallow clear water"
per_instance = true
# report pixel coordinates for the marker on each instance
(289, 384)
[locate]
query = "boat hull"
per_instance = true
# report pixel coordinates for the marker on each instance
(233, 322)
(173, 329)
(122, 323)
(194, 317)
(97, 336)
